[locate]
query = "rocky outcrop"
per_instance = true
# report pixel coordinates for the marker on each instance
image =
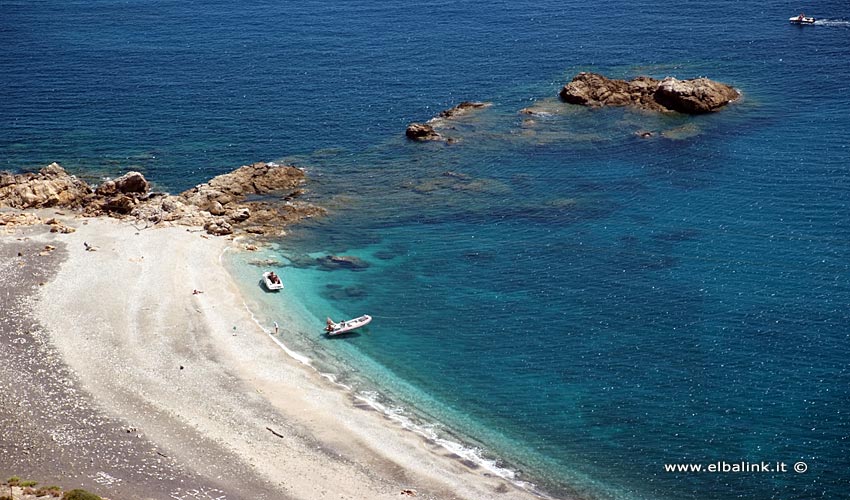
(51, 186)
(218, 227)
(456, 181)
(259, 178)
(220, 206)
(696, 96)
(131, 182)
(429, 131)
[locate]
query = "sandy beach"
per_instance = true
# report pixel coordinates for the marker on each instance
(183, 395)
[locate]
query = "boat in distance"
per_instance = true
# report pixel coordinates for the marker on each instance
(346, 326)
(272, 281)
(802, 19)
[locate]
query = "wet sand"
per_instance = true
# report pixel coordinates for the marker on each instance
(128, 384)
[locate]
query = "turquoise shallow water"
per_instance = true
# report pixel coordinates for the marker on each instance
(580, 305)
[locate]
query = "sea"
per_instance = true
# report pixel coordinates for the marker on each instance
(558, 301)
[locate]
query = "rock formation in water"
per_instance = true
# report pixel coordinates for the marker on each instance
(693, 97)
(428, 131)
(422, 132)
(696, 96)
(461, 109)
(220, 206)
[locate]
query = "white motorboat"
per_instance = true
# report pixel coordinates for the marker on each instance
(272, 281)
(802, 19)
(346, 326)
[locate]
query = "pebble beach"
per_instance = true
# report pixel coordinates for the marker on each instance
(131, 385)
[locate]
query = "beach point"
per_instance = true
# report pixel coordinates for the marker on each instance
(146, 394)
(138, 371)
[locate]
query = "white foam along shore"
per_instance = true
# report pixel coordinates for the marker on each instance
(190, 369)
(376, 402)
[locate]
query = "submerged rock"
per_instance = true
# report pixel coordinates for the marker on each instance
(333, 262)
(456, 181)
(266, 263)
(337, 292)
(681, 132)
(696, 96)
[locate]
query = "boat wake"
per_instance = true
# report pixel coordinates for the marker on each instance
(833, 23)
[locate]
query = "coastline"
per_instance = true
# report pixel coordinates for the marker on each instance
(196, 375)
(52, 428)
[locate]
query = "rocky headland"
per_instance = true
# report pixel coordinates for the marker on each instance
(696, 96)
(429, 131)
(221, 206)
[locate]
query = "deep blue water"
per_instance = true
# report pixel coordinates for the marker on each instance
(584, 305)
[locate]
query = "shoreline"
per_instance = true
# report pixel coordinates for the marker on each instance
(407, 417)
(291, 428)
(401, 404)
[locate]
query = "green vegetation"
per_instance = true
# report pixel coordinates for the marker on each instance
(53, 491)
(80, 495)
(45, 491)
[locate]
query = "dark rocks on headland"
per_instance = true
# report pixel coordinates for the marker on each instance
(696, 96)
(219, 206)
(428, 131)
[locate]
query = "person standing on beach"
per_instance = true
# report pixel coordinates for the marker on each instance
(276, 328)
